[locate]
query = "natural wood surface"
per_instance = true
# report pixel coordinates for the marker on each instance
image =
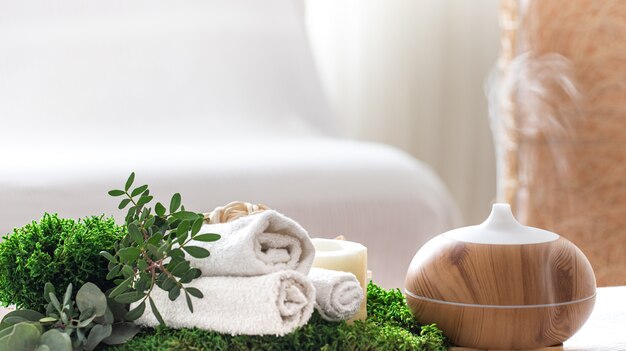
(551, 348)
(502, 275)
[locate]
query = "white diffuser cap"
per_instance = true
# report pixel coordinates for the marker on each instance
(501, 228)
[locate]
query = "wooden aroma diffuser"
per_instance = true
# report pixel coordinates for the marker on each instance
(501, 285)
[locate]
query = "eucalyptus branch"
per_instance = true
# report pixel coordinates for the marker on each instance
(139, 263)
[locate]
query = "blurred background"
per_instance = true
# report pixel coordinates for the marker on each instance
(362, 119)
(411, 74)
(367, 119)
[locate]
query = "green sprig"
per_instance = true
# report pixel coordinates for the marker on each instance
(154, 238)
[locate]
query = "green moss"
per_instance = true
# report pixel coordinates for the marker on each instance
(56, 250)
(389, 326)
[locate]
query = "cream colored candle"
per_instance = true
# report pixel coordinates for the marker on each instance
(346, 256)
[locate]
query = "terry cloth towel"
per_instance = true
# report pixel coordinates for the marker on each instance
(271, 304)
(338, 295)
(257, 244)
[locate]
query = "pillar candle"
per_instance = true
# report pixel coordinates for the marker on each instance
(346, 256)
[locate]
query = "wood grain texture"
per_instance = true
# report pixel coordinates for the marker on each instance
(503, 276)
(550, 348)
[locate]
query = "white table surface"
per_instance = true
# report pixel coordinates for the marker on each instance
(606, 328)
(604, 331)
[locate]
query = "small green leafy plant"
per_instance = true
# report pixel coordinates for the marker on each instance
(67, 325)
(153, 253)
(57, 250)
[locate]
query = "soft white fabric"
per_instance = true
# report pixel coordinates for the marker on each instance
(338, 295)
(257, 244)
(271, 304)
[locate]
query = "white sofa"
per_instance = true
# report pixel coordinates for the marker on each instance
(218, 100)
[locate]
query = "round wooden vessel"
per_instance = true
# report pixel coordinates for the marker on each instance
(501, 285)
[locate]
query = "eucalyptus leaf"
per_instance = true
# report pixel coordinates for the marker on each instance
(90, 295)
(80, 337)
(12, 320)
(117, 309)
(98, 333)
(22, 336)
(47, 289)
(26, 315)
(86, 317)
(108, 317)
(68, 295)
(5, 329)
(56, 340)
(47, 320)
(55, 302)
(121, 333)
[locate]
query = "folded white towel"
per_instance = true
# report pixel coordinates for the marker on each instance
(271, 304)
(338, 295)
(257, 244)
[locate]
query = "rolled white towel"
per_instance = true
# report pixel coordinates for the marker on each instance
(338, 295)
(271, 304)
(257, 244)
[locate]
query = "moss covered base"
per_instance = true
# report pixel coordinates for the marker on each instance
(389, 326)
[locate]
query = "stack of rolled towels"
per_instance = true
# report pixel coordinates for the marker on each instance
(258, 280)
